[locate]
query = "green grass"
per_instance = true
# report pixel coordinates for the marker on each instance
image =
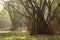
(27, 38)
(13, 36)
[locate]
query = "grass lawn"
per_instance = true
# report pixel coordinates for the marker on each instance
(13, 36)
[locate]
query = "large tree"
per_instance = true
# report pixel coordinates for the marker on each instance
(34, 15)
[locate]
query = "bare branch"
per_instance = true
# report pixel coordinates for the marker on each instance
(18, 11)
(56, 8)
(52, 2)
(44, 5)
(26, 7)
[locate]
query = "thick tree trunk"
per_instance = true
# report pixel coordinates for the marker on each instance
(41, 23)
(41, 27)
(38, 25)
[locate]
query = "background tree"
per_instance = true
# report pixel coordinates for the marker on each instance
(12, 8)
